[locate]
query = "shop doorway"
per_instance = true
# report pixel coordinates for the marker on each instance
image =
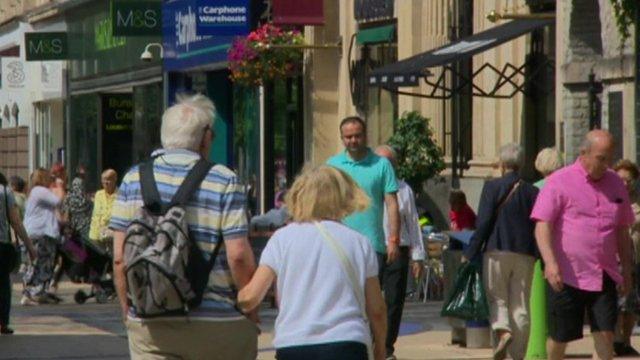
(117, 131)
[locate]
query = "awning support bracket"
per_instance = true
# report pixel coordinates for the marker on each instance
(506, 76)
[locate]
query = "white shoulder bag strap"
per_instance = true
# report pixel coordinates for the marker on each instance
(347, 266)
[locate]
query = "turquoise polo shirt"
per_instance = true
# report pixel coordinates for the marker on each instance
(375, 175)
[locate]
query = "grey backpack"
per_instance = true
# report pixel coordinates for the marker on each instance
(166, 272)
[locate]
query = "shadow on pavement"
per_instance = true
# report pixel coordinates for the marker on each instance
(71, 347)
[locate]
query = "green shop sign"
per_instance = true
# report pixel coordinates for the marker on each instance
(136, 18)
(46, 46)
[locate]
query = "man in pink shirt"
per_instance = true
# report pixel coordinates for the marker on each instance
(583, 215)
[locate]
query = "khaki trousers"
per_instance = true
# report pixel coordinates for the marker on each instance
(507, 281)
(192, 340)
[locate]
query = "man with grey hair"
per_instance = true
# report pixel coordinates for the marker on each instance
(215, 213)
(394, 280)
(583, 217)
(504, 233)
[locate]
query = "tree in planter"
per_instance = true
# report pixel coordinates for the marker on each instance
(419, 157)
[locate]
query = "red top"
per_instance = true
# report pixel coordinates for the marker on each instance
(463, 219)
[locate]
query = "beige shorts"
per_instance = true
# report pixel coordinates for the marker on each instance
(193, 339)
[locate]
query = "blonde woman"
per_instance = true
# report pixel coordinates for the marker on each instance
(103, 203)
(320, 311)
(41, 224)
(547, 161)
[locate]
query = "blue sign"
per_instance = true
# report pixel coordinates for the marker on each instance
(184, 48)
(223, 17)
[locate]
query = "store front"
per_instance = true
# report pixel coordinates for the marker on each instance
(115, 102)
(258, 131)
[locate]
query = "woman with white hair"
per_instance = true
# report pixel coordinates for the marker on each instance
(505, 237)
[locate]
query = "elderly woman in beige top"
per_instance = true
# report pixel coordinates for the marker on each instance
(629, 173)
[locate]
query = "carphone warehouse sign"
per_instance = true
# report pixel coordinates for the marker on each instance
(223, 17)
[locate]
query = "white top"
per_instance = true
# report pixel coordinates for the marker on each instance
(317, 303)
(410, 234)
(40, 213)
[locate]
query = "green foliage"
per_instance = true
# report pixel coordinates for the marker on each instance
(624, 12)
(419, 157)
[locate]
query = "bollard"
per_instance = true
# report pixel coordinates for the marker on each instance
(478, 334)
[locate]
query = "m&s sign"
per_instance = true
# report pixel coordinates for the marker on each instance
(46, 46)
(136, 18)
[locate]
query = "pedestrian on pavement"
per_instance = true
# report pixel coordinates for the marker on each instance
(461, 215)
(628, 305)
(216, 212)
(505, 234)
(322, 304)
(583, 217)
(18, 188)
(547, 161)
(411, 248)
(99, 231)
(41, 222)
(375, 175)
(77, 206)
(9, 215)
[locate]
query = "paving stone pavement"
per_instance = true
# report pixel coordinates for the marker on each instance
(94, 331)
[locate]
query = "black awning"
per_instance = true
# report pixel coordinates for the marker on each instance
(407, 72)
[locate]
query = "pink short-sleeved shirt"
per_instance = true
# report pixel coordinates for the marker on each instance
(584, 215)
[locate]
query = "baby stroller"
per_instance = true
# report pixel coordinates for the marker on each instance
(84, 261)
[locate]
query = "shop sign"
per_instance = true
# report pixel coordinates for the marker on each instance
(370, 10)
(117, 112)
(183, 46)
(103, 36)
(136, 18)
(223, 17)
(14, 74)
(46, 46)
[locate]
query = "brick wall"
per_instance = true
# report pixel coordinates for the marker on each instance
(14, 151)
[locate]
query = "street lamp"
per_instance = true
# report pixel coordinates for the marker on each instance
(495, 16)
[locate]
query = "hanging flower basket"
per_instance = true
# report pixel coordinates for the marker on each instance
(253, 60)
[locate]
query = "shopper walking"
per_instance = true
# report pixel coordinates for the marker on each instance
(322, 317)
(9, 217)
(376, 177)
(583, 217)
(505, 233)
(41, 223)
(628, 305)
(215, 214)
(411, 250)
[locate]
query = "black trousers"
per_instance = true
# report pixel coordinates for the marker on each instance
(394, 284)
(345, 350)
(5, 297)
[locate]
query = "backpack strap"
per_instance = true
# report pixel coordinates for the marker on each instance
(149, 189)
(191, 183)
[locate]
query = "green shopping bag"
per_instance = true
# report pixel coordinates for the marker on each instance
(467, 299)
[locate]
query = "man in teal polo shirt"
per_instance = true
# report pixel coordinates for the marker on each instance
(376, 177)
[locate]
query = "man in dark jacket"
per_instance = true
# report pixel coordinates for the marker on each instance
(505, 234)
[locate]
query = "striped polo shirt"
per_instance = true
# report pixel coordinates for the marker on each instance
(217, 208)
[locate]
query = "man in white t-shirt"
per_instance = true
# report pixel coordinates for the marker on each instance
(395, 274)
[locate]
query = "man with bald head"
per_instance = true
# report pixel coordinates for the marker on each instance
(583, 215)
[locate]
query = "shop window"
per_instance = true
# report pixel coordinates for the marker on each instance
(83, 137)
(147, 120)
(246, 140)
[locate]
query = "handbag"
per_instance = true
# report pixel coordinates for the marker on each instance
(467, 299)
(9, 255)
(348, 269)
